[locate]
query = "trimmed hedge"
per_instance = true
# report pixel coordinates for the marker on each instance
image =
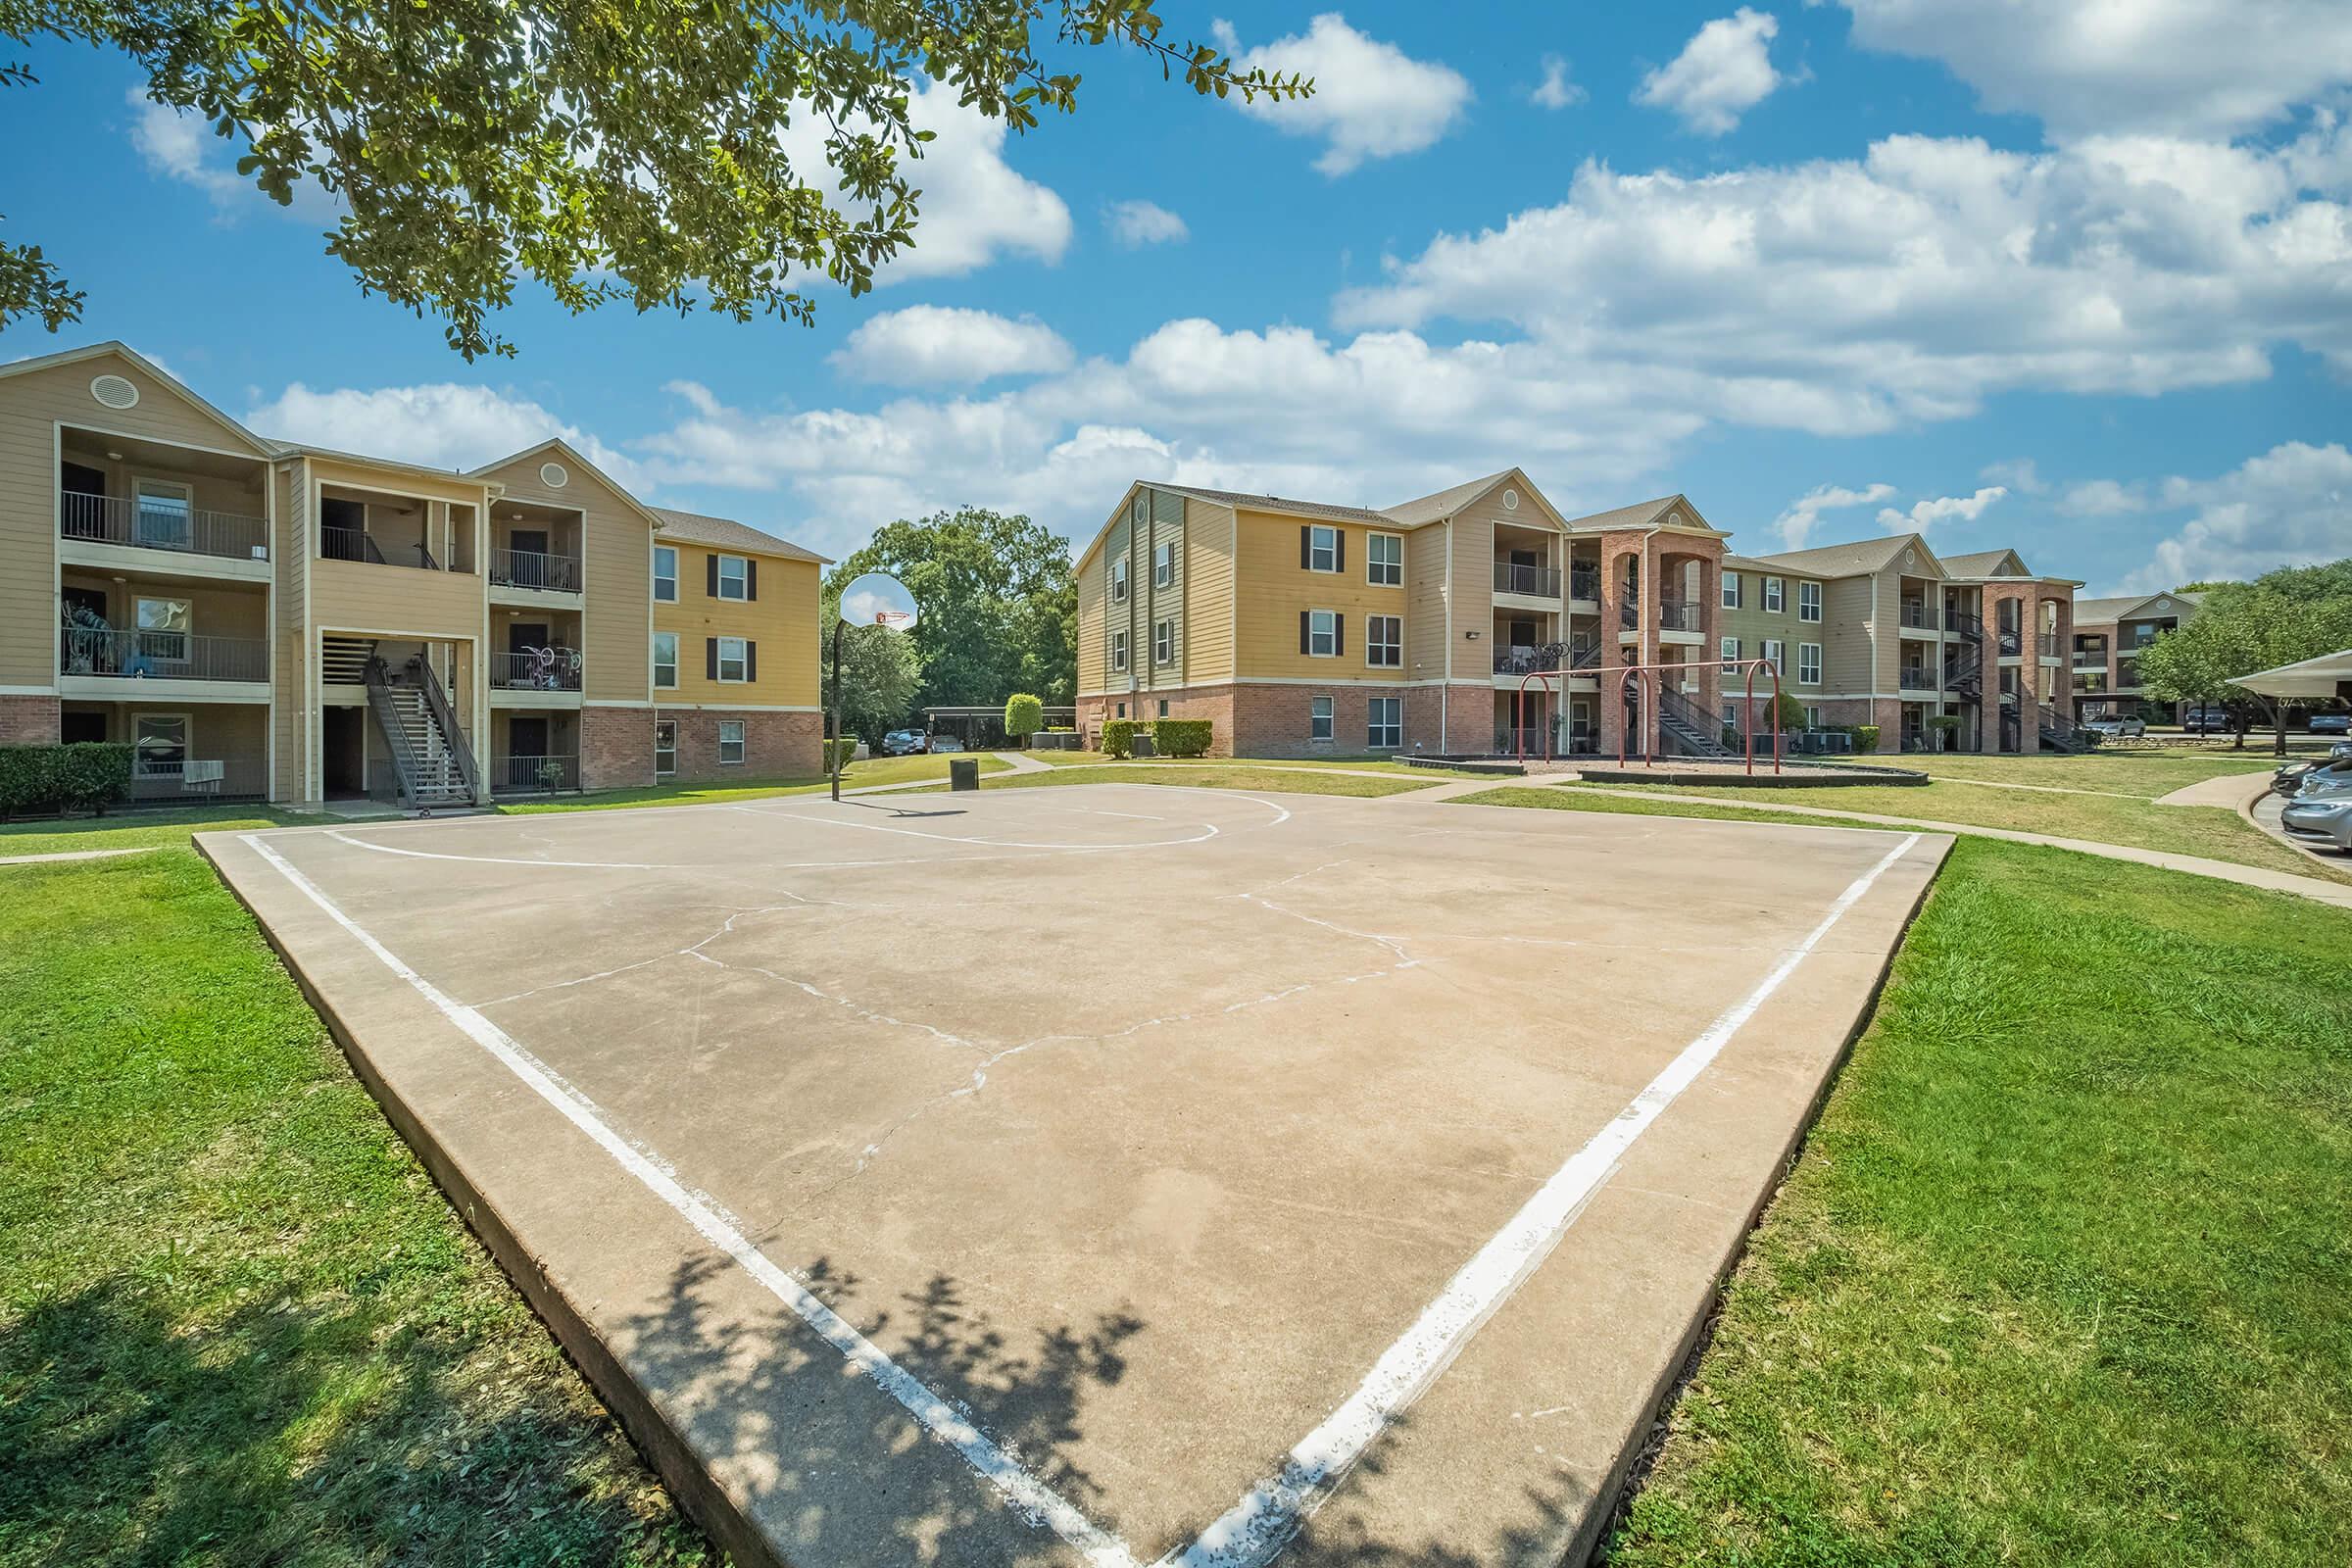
(847, 746)
(1866, 738)
(1180, 737)
(1024, 716)
(1118, 737)
(85, 776)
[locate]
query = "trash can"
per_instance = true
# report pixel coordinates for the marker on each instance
(963, 772)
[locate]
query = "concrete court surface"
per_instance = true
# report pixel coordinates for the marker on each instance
(1109, 1173)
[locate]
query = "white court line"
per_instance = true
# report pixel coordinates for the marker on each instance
(1208, 830)
(1256, 1528)
(1031, 1496)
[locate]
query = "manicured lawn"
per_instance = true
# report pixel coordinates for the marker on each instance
(876, 770)
(2061, 1277)
(1229, 776)
(238, 1323)
(2147, 773)
(1565, 798)
(134, 830)
(1366, 764)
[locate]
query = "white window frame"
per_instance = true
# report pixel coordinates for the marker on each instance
(741, 579)
(671, 638)
(1163, 642)
(668, 579)
(1118, 581)
(173, 489)
(1384, 573)
(1808, 602)
(1163, 708)
(187, 744)
(668, 726)
(1322, 544)
(1373, 645)
(1374, 728)
(1731, 590)
(1163, 564)
(1778, 652)
(1328, 718)
(1812, 716)
(1729, 647)
(1322, 635)
(1808, 656)
(185, 630)
(1731, 716)
(1776, 596)
(740, 659)
(1118, 652)
(724, 725)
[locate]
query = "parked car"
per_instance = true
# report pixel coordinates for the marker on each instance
(2325, 780)
(2324, 819)
(2330, 724)
(945, 743)
(2113, 726)
(2287, 780)
(2207, 722)
(903, 742)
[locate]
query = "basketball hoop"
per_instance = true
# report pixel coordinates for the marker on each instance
(873, 599)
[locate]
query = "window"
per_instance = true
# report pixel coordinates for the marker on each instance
(1383, 724)
(1384, 642)
(1772, 595)
(1808, 601)
(1163, 708)
(1118, 649)
(1731, 716)
(666, 574)
(1122, 711)
(665, 747)
(1319, 719)
(734, 577)
(1812, 717)
(730, 743)
(159, 744)
(166, 514)
(1322, 548)
(1730, 653)
(1164, 565)
(1118, 581)
(163, 631)
(731, 660)
(1773, 651)
(1808, 664)
(1385, 566)
(1322, 633)
(1731, 590)
(665, 660)
(1163, 642)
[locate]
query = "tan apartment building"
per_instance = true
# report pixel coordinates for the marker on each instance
(1965, 653)
(1436, 625)
(2109, 635)
(266, 621)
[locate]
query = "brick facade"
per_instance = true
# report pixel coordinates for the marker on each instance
(1270, 718)
(28, 722)
(617, 746)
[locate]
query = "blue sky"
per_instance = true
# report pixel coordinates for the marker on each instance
(2074, 276)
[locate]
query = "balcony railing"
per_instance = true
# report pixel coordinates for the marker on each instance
(532, 568)
(161, 655)
(139, 520)
(1528, 660)
(1542, 582)
(537, 669)
(1584, 582)
(537, 775)
(163, 780)
(2011, 644)
(356, 543)
(1678, 614)
(1919, 614)
(2047, 642)
(2090, 682)
(1917, 678)
(1965, 624)
(2090, 659)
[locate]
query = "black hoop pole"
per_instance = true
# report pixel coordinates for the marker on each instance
(833, 747)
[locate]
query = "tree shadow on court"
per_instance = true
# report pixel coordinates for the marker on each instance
(838, 1468)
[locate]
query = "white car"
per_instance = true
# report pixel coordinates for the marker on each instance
(2113, 726)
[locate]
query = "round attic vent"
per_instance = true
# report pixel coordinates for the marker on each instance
(1910, 558)
(1510, 501)
(554, 476)
(116, 392)
(2164, 603)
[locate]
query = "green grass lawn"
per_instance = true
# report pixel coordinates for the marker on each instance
(1229, 776)
(136, 830)
(238, 1325)
(1384, 764)
(2147, 774)
(874, 770)
(1566, 798)
(2063, 1275)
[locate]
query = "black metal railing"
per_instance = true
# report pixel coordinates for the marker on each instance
(1920, 615)
(533, 568)
(1959, 621)
(1584, 652)
(1917, 678)
(542, 775)
(160, 654)
(537, 669)
(149, 525)
(1511, 577)
(1678, 614)
(1584, 582)
(2011, 644)
(2047, 643)
(347, 544)
(167, 780)
(1525, 658)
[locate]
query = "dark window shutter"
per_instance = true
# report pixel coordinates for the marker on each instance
(1307, 631)
(710, 655)
(751, 579)
(710, 587)
(1339, 549)
(1306, 547)
(1339, 634)
(750, 659)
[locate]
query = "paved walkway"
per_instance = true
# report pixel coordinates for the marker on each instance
(73, 855)
(2228, 791)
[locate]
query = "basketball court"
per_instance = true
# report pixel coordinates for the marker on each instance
(1105, 1174)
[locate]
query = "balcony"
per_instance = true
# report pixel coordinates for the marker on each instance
(168, 780)
(1678, 614)
(1584, 582)
(2047, 643)
(356, 543)
(1526, 660)
(2095, 658)
(161, 655)
(1917, 678)
(150, 523)
(533, 775)
(2011, 643)
(1919, 614)
(2091, 683)
(537, 669)
(534, 569)
(1535, 582)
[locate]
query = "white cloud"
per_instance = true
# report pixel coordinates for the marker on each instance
(2102, 498)
(1926, 514)
(1555, 90)
(1723, 72)
(1795, 525)
(929, 344)
(1134, 224)
(2289, 506)
(441, 424)
(2020, 474)
(182, 147)
(2182, 67)
(1371, 99)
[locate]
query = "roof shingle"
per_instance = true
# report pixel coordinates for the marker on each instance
(728, 534)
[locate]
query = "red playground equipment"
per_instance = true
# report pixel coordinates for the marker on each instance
(1645, 690)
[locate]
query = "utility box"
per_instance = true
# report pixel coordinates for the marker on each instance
(963, 772)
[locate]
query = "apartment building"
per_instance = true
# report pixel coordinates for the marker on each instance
(2109, 634)
(267, 621)
(1473, 621)
(1963, 653)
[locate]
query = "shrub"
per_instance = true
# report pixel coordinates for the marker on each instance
(1024, 714)
(1180, 737)
(1866, 737)
(844, 751)
(82, 777)
(1118, 737)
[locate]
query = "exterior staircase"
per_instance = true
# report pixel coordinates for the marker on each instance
(2060, 733)
(1685, 731)
(430, 758)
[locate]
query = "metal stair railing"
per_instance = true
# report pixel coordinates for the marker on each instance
(437, 702)
(1681, 718)
(405, 769)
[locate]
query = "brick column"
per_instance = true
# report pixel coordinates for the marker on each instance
(1616, 549)
(29, 720)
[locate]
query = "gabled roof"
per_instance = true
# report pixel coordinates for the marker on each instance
(559, 444)
(1257, 503)
(1988, 563)
(1641, 514)
(262, 446)
(2099, 611)
(727, 534)
(1861, 557)
(1447, 502)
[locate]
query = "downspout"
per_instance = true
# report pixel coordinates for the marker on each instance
(1445, 668)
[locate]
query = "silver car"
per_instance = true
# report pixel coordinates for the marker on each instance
(2323, 819)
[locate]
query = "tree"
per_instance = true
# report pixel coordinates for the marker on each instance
(999, 605)
(879, 675)
(2293, 614)
(661, 154)
(1024, 716)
